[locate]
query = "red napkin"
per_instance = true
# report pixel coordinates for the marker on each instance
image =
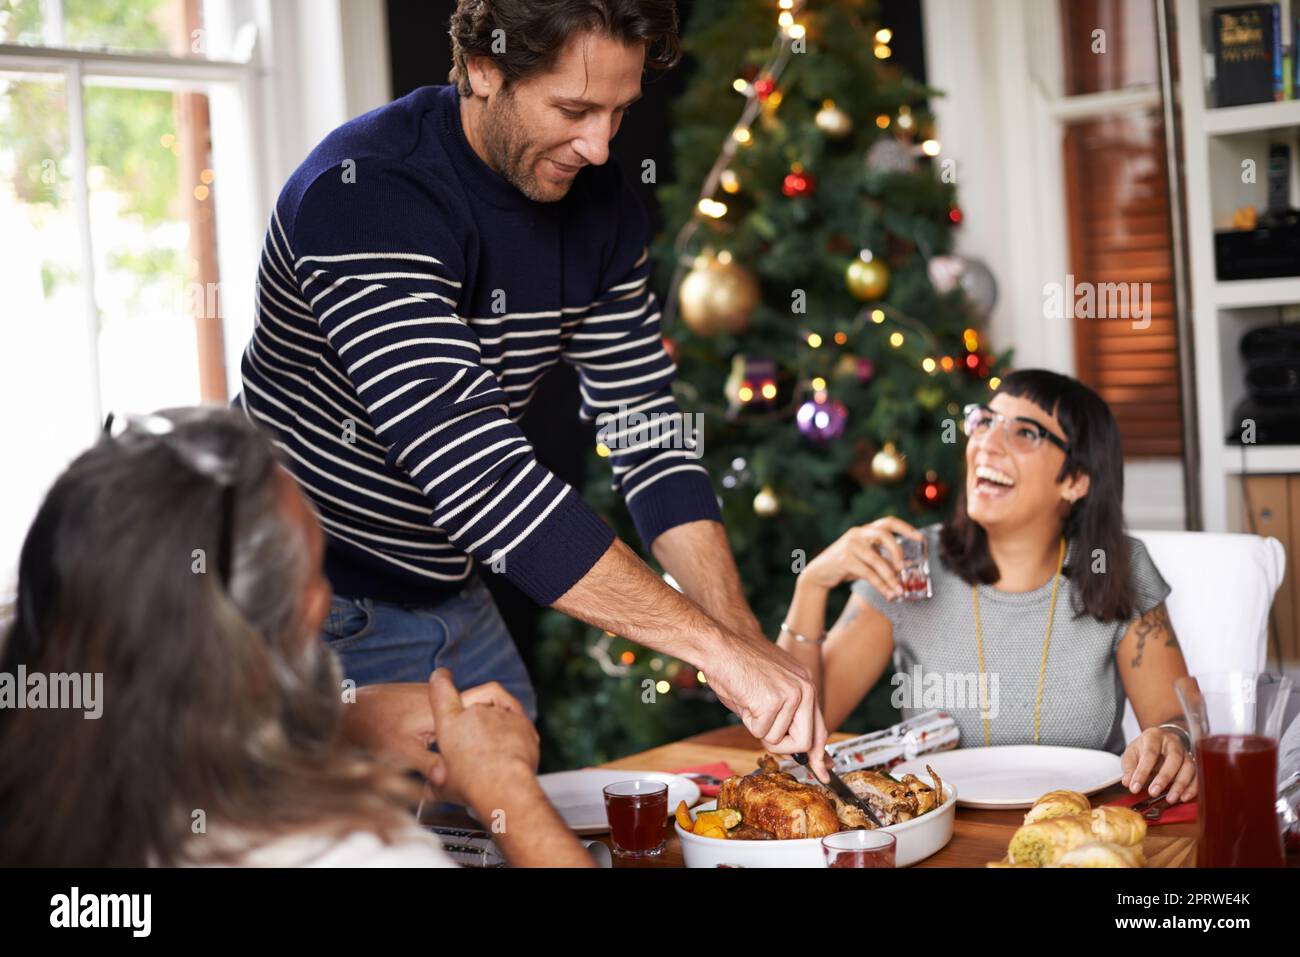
(1169, 814)
(719, 769)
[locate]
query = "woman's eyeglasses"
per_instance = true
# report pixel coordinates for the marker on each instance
(199, 459)
(1022, 434)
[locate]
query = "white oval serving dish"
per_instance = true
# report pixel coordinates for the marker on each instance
(916, 840)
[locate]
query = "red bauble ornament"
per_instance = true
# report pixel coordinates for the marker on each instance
(930, 493)
(763, 87)
(954, 214)
(798, 183)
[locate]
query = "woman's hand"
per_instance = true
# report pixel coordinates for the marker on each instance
(1164, 748)
(854, 555)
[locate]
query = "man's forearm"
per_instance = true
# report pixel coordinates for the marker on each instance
(527, 828)
(698, 556)
(770, 691)
(621, 594)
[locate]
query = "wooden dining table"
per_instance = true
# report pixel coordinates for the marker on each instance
(979, 835)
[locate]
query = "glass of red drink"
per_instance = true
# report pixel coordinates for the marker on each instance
(638, 815)
(859, 849)
(914, 576)
(1235, 719)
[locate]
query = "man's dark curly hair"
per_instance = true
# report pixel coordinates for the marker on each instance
(533, 32)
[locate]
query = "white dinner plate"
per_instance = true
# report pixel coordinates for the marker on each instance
(579, 796)
(1016, 775)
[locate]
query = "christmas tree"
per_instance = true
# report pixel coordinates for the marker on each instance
(819, 323)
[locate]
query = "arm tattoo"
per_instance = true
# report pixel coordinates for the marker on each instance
(1152, 625)
(848, 615)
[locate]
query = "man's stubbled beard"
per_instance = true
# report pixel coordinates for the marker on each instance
(508, 148)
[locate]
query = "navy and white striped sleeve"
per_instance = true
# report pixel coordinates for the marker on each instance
(625, 379)
(380, 263)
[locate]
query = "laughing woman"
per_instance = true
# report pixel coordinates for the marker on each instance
(1038, 595)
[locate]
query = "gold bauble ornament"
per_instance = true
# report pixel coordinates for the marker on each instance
(833, 121)
(766, 504)
(718, 295)
(867, 278)
(888, 465)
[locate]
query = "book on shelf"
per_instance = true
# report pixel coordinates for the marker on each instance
(1247, 54)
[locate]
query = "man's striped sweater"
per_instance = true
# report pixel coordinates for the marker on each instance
(409, 301)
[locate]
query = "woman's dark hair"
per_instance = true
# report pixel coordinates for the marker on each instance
(1095, 524)
(535, 31)
(217, 696)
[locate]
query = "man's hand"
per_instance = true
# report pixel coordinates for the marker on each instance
(396, 720)
(774, 696)
(488, 760)
(482, 750)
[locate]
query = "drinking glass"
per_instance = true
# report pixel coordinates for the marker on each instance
(860, 848)
(637, 813)
(915, 573)
(1235, 719)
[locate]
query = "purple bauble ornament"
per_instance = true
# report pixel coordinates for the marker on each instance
(821, 419)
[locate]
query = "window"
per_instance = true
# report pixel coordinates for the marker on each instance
(125, 185)
(1117, 201)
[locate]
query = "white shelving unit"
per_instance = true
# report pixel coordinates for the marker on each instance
(1215, 141)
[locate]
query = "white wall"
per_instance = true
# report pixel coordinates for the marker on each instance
(325, 62)
(992, 121)
(321, 63)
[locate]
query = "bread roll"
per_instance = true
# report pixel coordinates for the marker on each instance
(1043, 843)
(1058, 804)
(1118, 825)
(1102, 854)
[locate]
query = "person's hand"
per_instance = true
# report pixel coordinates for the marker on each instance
(856, 554)
(1162, 749)
(396, 720)
(774, 697)
(482, 748)
(490, 693)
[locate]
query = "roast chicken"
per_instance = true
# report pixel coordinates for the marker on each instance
(895, 801)
(775, 805)
(774, 802)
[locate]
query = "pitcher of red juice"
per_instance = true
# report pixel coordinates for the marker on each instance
(1235, 719)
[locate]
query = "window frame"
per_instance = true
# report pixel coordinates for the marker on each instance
(236, 143)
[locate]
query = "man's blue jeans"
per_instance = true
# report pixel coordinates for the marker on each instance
(378, 642)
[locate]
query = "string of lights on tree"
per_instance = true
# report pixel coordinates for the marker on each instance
(715, 293)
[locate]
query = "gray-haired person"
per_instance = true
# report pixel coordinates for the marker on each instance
(179, 559)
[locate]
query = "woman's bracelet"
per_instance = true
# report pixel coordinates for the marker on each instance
(787, 630)
(1182, 733)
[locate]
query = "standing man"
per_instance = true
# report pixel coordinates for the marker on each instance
(424, 267)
